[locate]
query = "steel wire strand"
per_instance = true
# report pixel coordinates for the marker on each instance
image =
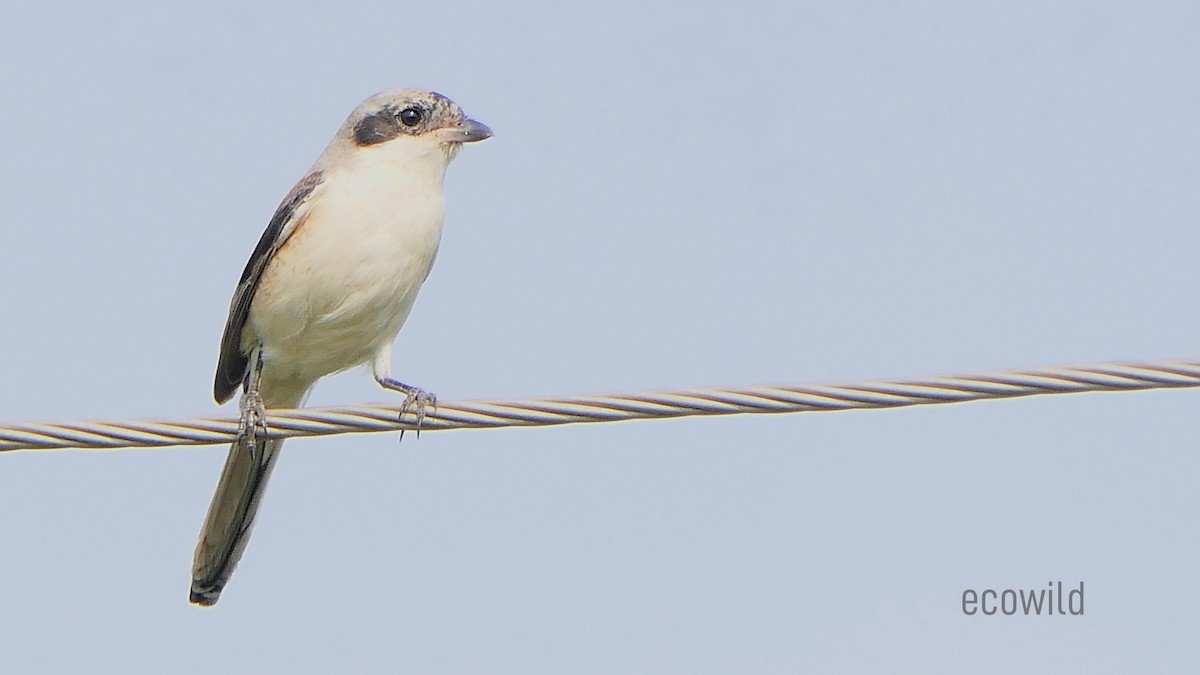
(612, 408)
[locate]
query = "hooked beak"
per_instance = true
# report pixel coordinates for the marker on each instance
(467, 131)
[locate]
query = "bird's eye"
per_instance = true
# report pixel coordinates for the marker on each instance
(410, 117)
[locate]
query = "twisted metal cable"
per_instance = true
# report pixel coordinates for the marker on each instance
(613, 408)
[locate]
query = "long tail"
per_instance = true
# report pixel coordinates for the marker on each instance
(239, 493)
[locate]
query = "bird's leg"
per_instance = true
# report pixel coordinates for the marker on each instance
(254, 415)
(415, 399)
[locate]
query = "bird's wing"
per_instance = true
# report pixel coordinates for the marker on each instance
(233, 362)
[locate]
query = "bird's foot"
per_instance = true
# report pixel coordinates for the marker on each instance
(416, 400)
(254, 419)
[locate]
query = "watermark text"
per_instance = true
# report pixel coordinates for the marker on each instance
(1051, 600)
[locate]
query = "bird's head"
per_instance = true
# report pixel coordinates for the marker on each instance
(422, 121)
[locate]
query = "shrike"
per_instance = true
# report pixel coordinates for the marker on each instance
(328, 288)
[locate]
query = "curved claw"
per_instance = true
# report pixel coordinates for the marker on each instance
(421, 399)
(416, 400)
(253, 419)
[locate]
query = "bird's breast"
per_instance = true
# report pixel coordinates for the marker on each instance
(342, 285)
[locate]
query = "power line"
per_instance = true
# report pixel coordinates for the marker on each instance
(613, 408)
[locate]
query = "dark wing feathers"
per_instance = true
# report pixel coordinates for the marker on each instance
(232, 363)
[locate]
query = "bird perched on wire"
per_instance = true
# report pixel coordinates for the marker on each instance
(328, 288)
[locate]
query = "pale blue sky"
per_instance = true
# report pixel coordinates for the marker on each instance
(677, 195)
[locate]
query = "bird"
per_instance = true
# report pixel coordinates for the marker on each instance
(327, 288)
